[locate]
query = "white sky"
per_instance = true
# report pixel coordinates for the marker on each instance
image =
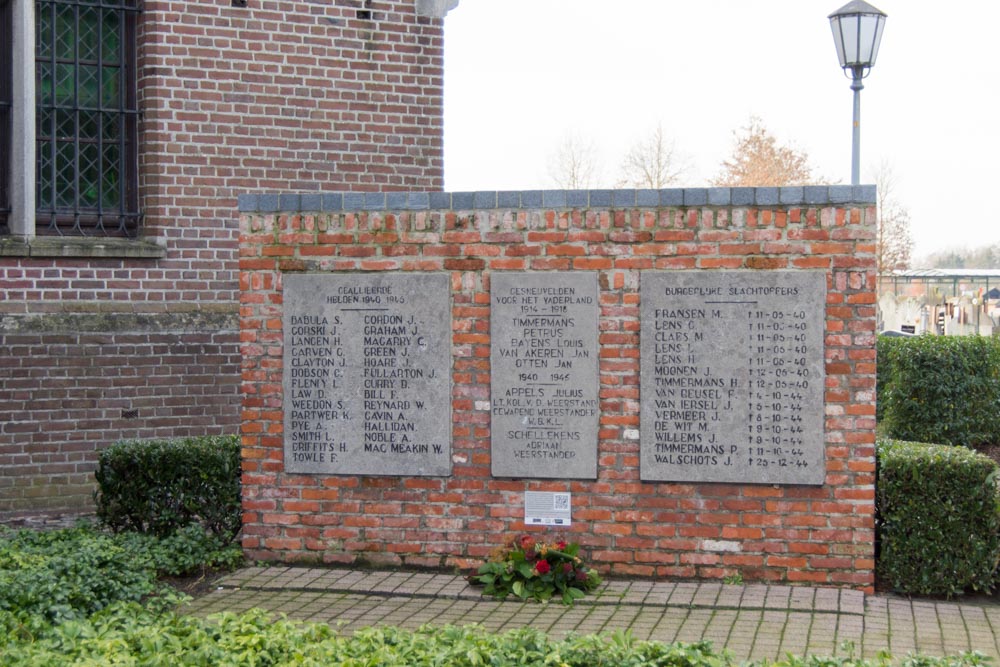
(522, 74)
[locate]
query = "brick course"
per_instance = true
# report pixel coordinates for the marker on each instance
(792, 534)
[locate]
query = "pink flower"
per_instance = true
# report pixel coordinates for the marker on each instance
(542, 567)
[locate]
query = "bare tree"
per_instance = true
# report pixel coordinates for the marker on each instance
(894, 242)
(574, 164)
(759, 160)
(652, 163)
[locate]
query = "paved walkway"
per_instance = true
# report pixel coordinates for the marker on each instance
(754, 622)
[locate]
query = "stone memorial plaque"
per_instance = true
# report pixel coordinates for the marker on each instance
(732, 376)
(544, 364)
(367, 374)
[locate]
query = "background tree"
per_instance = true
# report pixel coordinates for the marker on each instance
(574, 164)
(982, 257)
(759, 160)
(894, 241)
(652, 163)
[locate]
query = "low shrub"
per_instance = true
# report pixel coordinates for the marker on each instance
(938, 518)
(943, 389)
(530, 569)
(162, 486)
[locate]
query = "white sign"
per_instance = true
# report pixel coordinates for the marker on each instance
(546, 509)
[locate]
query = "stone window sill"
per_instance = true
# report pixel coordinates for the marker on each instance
(51, 246)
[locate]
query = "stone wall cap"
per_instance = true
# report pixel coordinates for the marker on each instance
(810, 195)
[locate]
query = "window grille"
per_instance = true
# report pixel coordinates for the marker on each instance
(86, 118)
(6, 107)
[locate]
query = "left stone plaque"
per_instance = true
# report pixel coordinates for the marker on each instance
(367, 374)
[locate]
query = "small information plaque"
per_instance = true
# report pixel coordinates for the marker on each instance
(547, 509)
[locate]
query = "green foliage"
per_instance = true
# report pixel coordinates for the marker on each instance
(937, 517)
(162, 486)
(943, 389)
(128, 633)
(66, 575)
(537, 570)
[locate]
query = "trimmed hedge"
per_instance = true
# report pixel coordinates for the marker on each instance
(160, 486)
(938, 520)
(943, 389)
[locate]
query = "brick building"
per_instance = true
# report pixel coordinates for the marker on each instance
(127, 129)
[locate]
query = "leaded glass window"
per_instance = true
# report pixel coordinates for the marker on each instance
(6, 108)
(86, 117)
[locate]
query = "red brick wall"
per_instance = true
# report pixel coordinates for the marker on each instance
(821, 534)
(294, 96)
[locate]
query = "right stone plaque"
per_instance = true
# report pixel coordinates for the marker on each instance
(732, 376)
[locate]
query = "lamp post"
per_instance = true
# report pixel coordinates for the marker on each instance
(857, 31)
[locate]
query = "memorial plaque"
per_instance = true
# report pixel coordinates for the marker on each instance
(543, 358)
(367, 374)
(732, 377)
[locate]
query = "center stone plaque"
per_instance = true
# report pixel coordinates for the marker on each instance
(367, 374)
(543, 358)
(732, 377)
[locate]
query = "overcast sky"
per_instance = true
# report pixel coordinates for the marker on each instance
(522, 74)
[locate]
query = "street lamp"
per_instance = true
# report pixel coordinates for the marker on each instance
(857, 31)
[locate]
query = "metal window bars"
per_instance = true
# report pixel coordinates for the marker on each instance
(6, 108)
(86, 118)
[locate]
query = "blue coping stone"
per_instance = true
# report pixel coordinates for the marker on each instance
(354, 201)
(333, 201)
(741, 196)
(246, 203)
(719, 196)
(816, 194)
(440, 200)
(600, 198)
(483, 199)
(865, 194)
(672, 197)
(268, 203)
(311, 202)
(767, 196)
(418, 200)
(374, 201)
(695, 196)
(554, 199)
(289, 202)
(509, 199)
(622, 198)
(793, 194)
(395, 200)
(463, 201)
(841, 194)
(577, 198)
(647, 198)
(531, 199)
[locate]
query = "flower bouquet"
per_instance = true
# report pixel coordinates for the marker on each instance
(536, 570)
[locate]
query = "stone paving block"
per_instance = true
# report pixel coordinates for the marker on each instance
(827, 599)
(777, 597)
(707, 595)
(683, 594)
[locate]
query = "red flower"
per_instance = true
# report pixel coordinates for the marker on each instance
(561, 545)
(567, 568)
(542, 567)
(527, 542)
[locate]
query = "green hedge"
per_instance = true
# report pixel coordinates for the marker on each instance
(938, 518)
(161, 486)
(943, 389)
